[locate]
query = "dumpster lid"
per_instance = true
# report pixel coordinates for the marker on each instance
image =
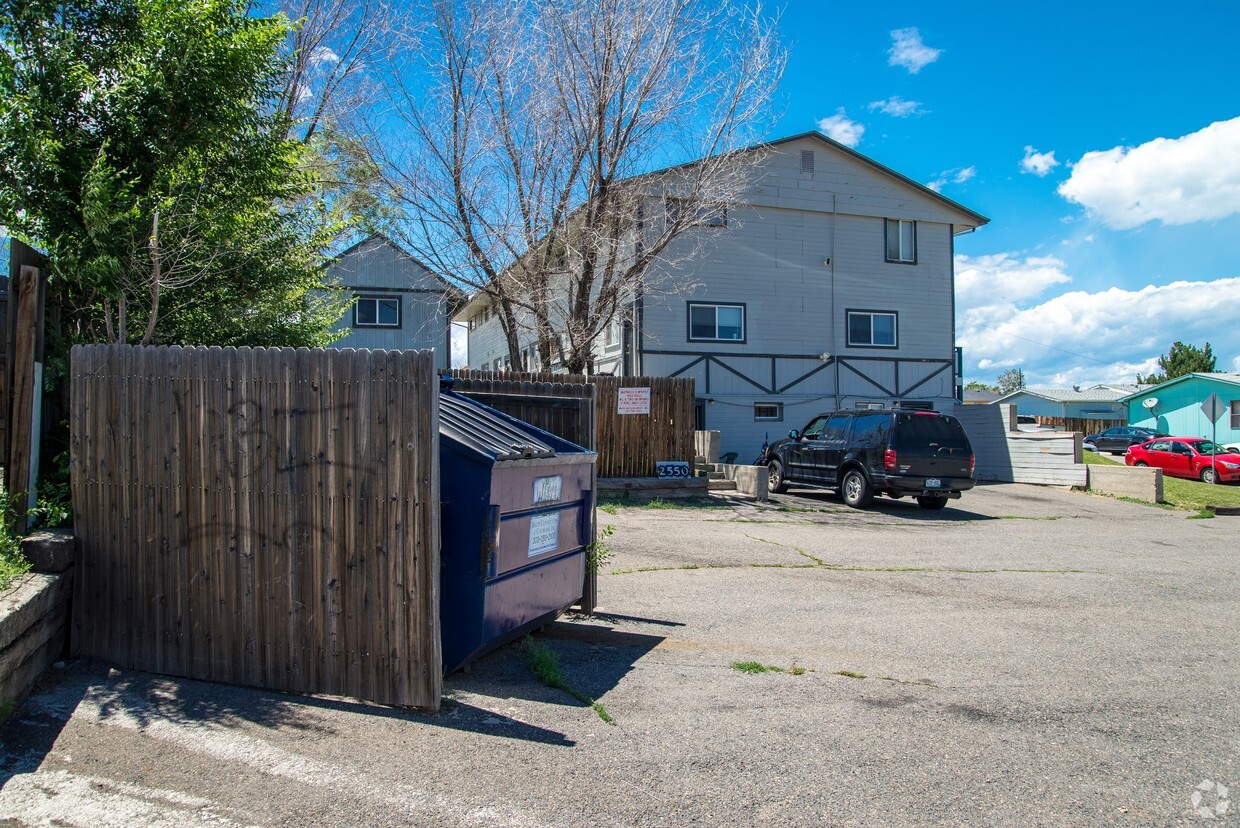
(484, 430)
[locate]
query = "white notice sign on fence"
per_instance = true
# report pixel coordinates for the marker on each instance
(632, 400)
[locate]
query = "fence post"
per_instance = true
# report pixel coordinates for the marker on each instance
(24, 413)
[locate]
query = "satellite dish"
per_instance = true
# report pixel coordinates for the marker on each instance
(1150, 403)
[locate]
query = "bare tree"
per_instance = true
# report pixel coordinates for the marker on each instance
(536, 130)
(330, 55)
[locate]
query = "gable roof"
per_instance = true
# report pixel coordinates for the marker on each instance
(1230, 379)
(455, 295)
(900, 177)
(977, 218)
(1063, 395)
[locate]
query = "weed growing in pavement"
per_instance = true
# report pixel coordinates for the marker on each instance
(546, 666)
(599, 552)
(611, 507)
(849, 674)
(755, 667)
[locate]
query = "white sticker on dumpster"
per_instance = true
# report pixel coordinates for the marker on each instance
(547, 489)
(544, 533)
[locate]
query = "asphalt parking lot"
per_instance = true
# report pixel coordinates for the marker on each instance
(1028, 656)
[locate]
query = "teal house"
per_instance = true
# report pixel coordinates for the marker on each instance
(1176, 407)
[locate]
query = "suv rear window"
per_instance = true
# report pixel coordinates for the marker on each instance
(923, 429)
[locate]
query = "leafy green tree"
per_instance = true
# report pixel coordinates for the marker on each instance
(1013, 379)
(1180, 360)
(980, 386)
(140, 149)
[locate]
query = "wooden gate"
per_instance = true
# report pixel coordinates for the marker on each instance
(265, 517)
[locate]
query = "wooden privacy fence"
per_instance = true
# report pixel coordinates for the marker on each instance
(265, 517)
(628, 445)
(565, 409)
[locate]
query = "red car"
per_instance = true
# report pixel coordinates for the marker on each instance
(1190, 457)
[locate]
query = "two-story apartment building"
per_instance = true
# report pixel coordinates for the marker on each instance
(399, 303)
(828, 284)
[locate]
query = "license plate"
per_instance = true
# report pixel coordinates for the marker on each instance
(933, 483)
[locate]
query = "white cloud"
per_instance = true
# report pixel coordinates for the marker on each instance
(842, 128)
(959, 175)
(1038, 163)
(1172, 180)
(897, 107)
(323, 55)
(1107, 336)
(1004, 279)
(908, 51)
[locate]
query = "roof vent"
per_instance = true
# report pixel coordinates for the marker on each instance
(807, 161)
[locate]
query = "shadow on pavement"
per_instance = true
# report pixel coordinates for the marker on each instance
(905, 508)
(32, 730)
(593, 658)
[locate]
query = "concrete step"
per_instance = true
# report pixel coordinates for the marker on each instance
(721, 485)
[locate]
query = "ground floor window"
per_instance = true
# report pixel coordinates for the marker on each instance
(1235, 414)
(768, 411)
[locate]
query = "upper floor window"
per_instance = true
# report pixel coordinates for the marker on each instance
(872, 329)
(700, 213)
(724, 323)
(901, 241)
(376, 312)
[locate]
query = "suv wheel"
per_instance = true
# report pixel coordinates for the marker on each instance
(855, 489)
(775, 477)
(932, 502)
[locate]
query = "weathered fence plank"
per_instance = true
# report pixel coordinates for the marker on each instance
(262, 517)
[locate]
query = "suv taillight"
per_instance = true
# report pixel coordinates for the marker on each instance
(889, 459)
(972, 464)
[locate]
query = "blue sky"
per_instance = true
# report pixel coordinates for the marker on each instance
(1102, 140)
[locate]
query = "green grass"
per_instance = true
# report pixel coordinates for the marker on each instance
(849, 674)
(753, 668)
(1189, 495)
(546, 666)
(1093, 458)
(12, 563)
(612, 506)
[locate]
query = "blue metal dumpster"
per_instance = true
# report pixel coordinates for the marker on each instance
(517, 508)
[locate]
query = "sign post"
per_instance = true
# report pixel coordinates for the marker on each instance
(1213, 408)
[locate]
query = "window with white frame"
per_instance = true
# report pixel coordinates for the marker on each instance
(768, 411)
(901, 241)
(702, 214)
(376, 312)
(1235, 414)
(872, 329)
(716, 323)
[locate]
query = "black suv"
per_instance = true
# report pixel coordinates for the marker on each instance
(864, 453)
